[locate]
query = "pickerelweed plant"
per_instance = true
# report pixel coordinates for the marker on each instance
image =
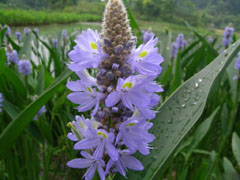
(122, 96)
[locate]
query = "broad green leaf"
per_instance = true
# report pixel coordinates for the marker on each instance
(11, 110)
(40, 82)
(2, 59)
(179, 114)
(202, 130)
(26, 48)
(16, 127)
(230, 172)
(236, 147)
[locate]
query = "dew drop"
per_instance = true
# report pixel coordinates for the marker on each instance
(183, 105)
(196, 85)
(199, 80)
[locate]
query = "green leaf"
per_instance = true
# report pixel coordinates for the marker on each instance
(230, 172)
(40, 84)
(14, 45)
(236, 147)
(202, 130)
(2, 59)
(16, 127)
(179, 114)
(11, 110)
(26, 48)
(178, 75)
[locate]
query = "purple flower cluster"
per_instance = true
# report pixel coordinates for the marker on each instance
(237, 66)
(36, 30)
(64, 33)
(18, 36)
(180, 44)
(26, 31)
(227, 36)
(12, 56)
(8, 31)
(147, 35)
(24, 67)
(121, 95)
(1, 100)
(55, 42)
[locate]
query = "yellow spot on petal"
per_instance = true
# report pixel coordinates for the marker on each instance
(89, 89)
(102, 134)
(93, 45)
(130, 124)
(128, 85)
(143, 54)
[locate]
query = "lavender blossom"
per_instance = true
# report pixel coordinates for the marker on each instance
(227, 36)
(40, 112)
(18, 36)
(174, 51)
(1, 100)
(122, 96)
(64, 33)
(87, 53)
(24, 67)
(89, 162)
(147, 35)
(26, 31)
(55, 42)
(237, 67)
(181, 43)
(8, 31)
(12, 56)
(36, 30)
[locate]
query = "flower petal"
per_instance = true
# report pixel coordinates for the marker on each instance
(79, 163)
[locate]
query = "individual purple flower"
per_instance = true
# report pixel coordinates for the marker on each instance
(1, 100)
(227, 36)
(26, 30)
(36, 30)
(24, 67)
(89, 162)
(101, 140)
(145, 59)
(181, 43)
(134, 134)
(8, 31)
(124, 162)
(147, 36)
(87, 52)
(40, 112)
(81, 128)
(18, 36)
(174, 51)
(55, 42)
(12, 56)
(85, 95)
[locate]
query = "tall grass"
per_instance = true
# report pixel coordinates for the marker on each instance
(31, 17)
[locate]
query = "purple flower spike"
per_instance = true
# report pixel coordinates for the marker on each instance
(24, 67)
(89, 162)
(8, 32)
(18, 36)
(227, 36)
(36, 30)
(55, 42)
(87, 53)
(12, 57)
(40, 112)
(145, 59)
(27, 30)
(1, 100)
(181, 43)
(237, 64)
(174, 51)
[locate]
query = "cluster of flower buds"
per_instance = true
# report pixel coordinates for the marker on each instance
(12, 56)
(24, 66)
(121, 92)
(18, 36)
(147, 35)
(179, 44)
(237, 67)
(1, 100)
(227, 36)
(26, 31)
